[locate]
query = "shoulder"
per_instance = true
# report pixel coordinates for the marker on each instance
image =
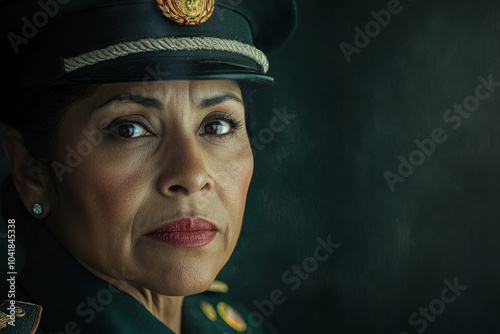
(19, 317)
(215, 312)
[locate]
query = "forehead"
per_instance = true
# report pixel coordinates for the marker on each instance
(166, 90)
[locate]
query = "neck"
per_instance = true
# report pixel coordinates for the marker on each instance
(167, 309)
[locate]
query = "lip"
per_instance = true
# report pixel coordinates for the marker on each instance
(185, 233)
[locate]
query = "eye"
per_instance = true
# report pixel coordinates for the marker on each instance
(220, 125)
(217, 128)
(128, 129)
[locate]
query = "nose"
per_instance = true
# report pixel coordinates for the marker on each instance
(185, 170)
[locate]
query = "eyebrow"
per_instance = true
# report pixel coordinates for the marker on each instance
(146, 102)
(149, 102)
(212, 101)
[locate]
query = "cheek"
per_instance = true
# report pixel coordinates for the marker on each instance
(233, 179)
(104, 196)
(99, 201)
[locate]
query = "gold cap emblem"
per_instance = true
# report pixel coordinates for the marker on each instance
(187, 12)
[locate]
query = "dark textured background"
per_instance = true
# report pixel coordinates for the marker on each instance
(323, 174)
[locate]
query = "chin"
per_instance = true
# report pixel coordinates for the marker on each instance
(182, 280)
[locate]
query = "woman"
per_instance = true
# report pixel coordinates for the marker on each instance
(129, 148)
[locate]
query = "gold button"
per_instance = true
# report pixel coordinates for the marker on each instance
(209, 310)
(19, 312)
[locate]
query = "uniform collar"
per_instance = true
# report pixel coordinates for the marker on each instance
(72, 298)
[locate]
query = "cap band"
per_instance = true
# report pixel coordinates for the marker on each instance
(166, 44)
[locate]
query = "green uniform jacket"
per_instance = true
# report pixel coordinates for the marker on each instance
(65, 298)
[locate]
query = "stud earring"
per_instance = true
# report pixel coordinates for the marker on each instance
(37, 209)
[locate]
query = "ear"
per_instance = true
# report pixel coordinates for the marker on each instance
(28, 174)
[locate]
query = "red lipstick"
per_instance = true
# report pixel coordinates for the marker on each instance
(185, 233)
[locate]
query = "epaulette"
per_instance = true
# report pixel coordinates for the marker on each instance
(19, 317)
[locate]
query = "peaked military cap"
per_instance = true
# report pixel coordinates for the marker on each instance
(47, 42)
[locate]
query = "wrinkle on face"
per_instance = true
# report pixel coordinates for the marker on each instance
(123, 189)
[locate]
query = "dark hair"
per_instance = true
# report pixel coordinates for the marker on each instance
(38, 122)
(41, 116)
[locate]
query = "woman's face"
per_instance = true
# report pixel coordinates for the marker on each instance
(169, 150)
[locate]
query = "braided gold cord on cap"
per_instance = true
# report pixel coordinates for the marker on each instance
(166, 44)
